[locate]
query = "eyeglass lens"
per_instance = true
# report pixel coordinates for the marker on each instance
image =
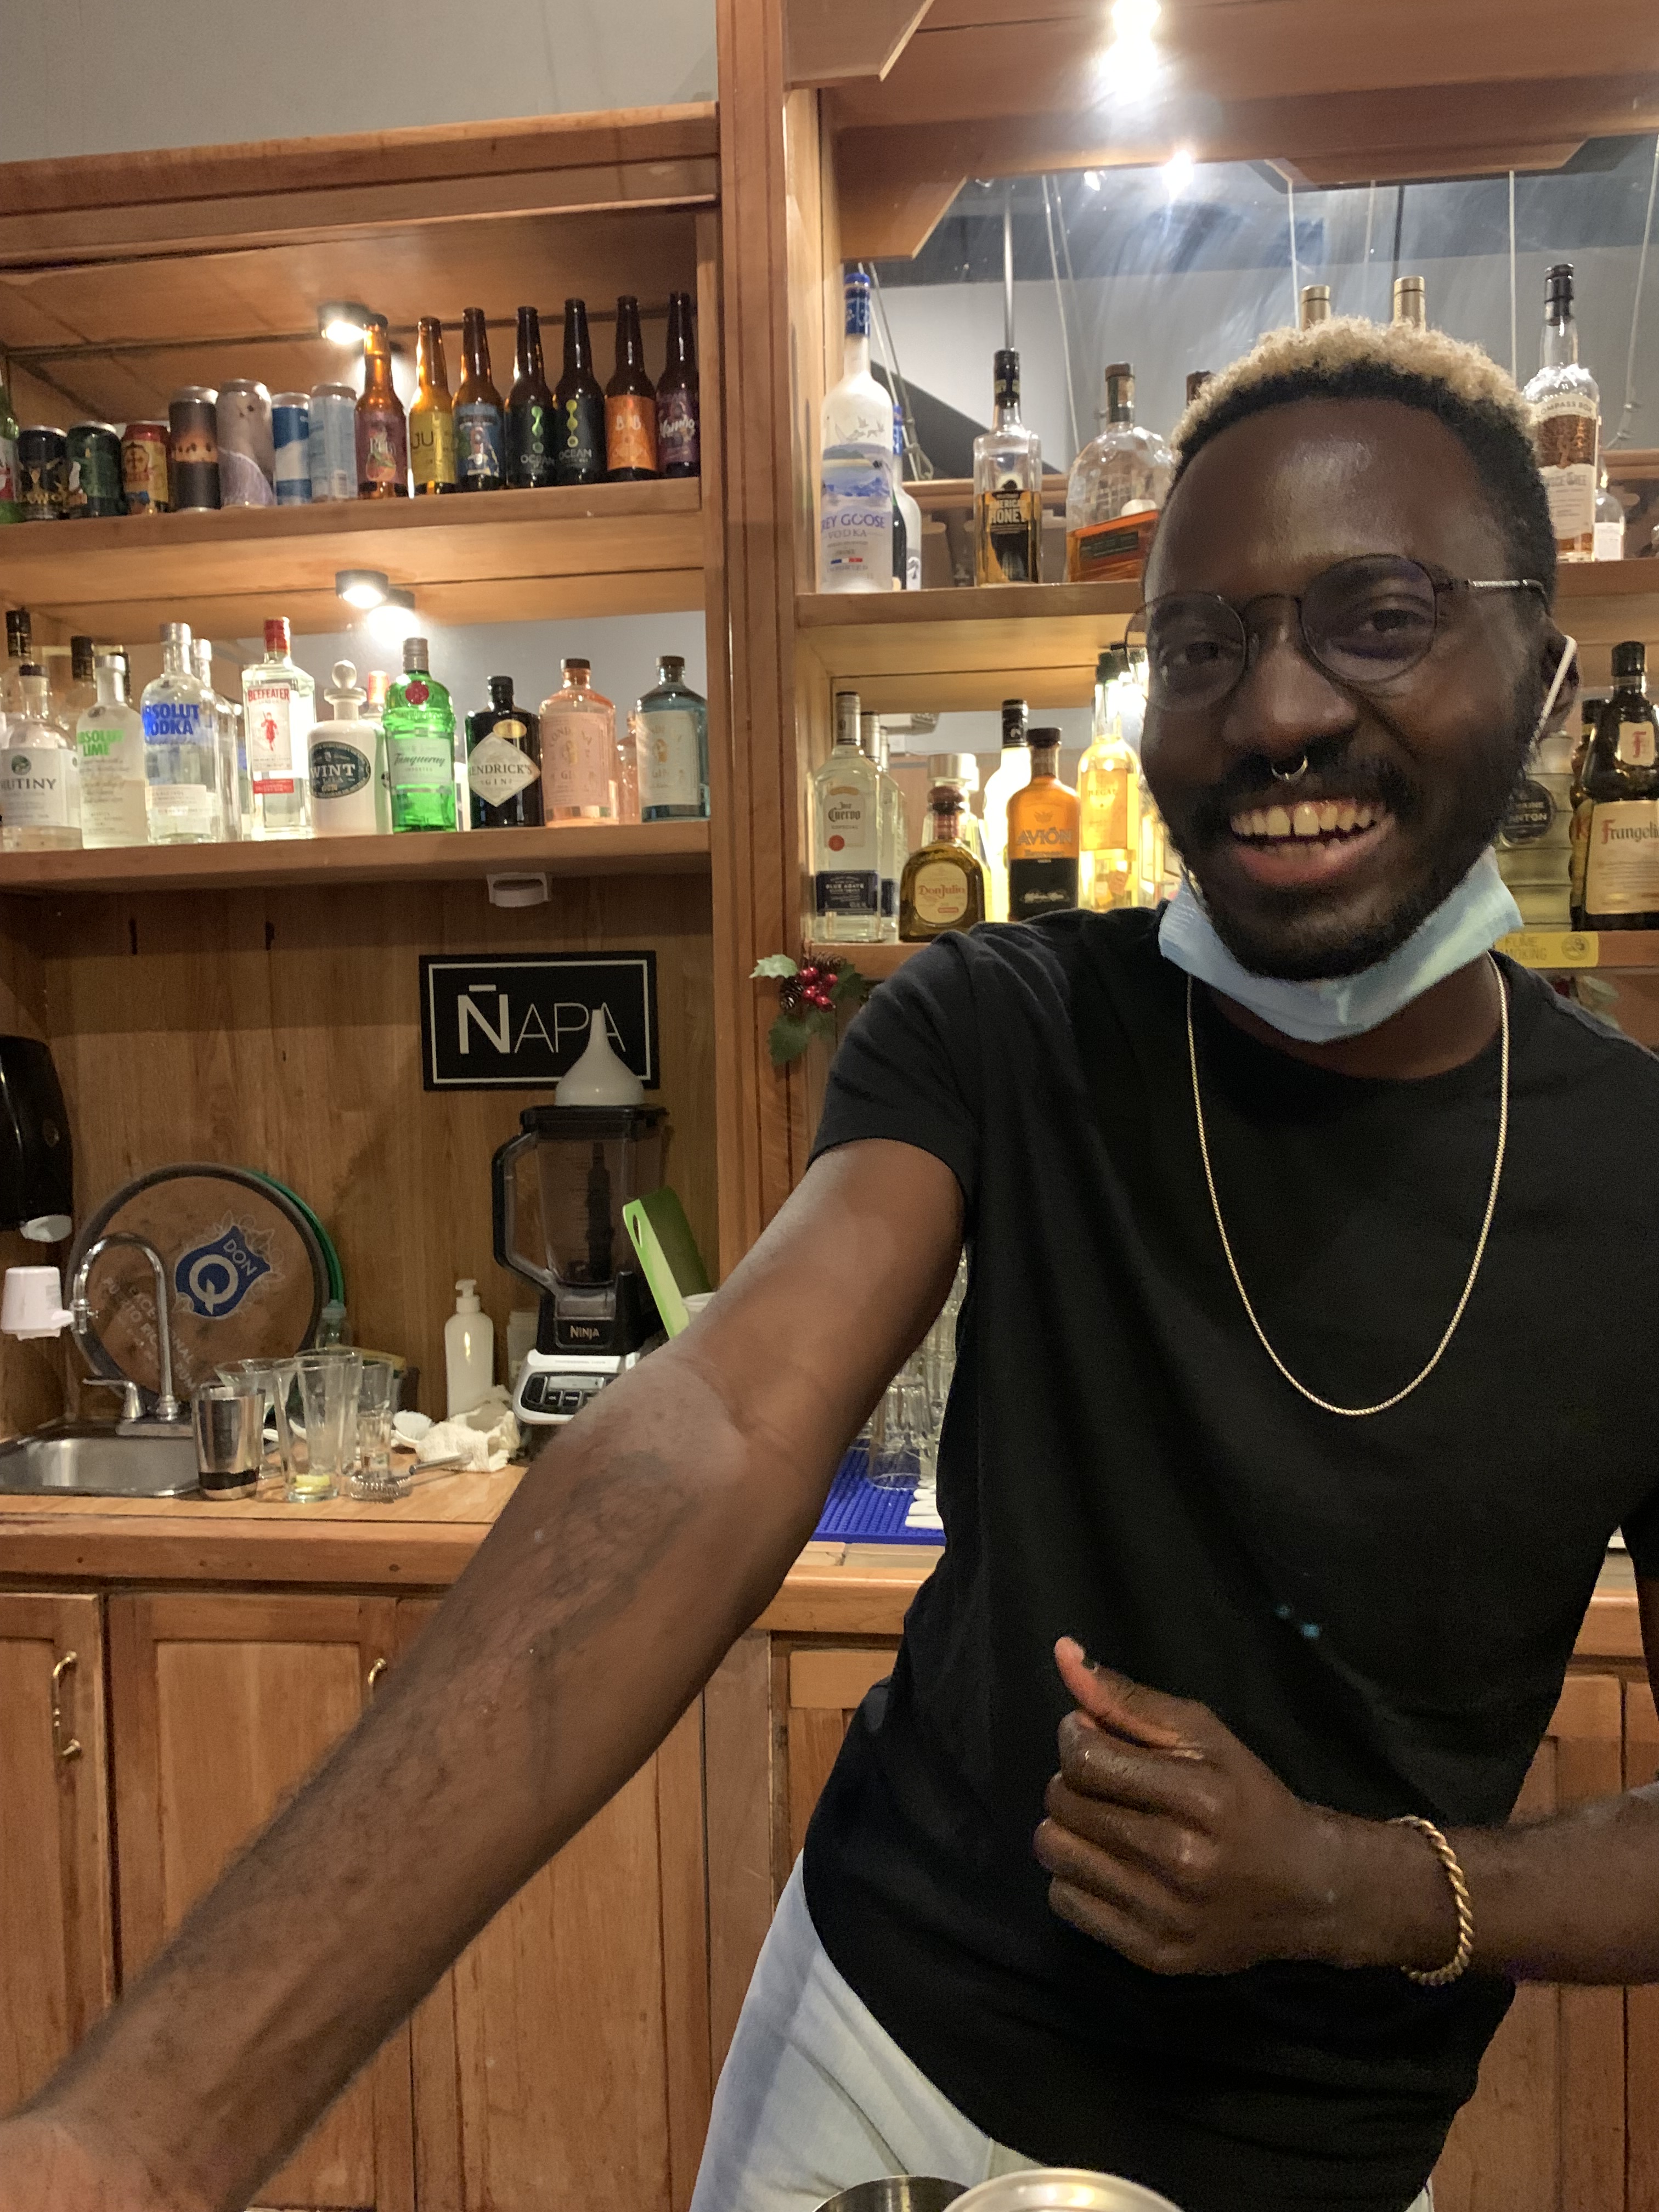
(1364, 621)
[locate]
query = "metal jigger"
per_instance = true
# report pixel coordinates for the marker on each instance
(228, 1420)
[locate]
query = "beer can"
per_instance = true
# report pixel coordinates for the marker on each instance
(290, 426)
(94, 471)
(333, 441)
(144, 468)
(193, 446)
(42, 472)
(247, 460)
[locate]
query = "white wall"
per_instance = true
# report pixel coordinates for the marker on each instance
(110, 76)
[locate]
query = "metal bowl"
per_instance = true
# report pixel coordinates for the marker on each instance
(895, 2192)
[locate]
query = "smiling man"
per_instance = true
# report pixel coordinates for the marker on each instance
(1274, 1203)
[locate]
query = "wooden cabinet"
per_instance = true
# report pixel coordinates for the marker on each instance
(222, 1704)
(1641, 2005)
(821, 1686)
(57, 1937)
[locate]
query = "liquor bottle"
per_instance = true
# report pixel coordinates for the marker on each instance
(109, 738)
(480, 435)
(82, 688)
(382, 429)
(855, 470)
(628, 769)
(1566, 423)
(1621, 783)
(679, 445)
(579, 437)
(630, 403)
(1012, 774)
(1410, 302)
(1314, 306)
(1589, 709)
(19, 645)
(224, 720)
(1007, 488)
(1117, 488)
(944, 885)
(1108, 796)
(432, 413)
(529, 410)
(40, 778)
(420, 745)
(503, 763)
(961, 771)
(1609, 523)
(181, 749)
(907, 518)
(580, 772)
(11, 497)
(891, 843)
(671, 744)
(281, 701)
(847, 837)
(1043, 836)
(347, 783)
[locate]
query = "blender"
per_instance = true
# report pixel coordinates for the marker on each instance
(559, 1188)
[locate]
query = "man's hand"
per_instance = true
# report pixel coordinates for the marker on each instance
(1168, 1840)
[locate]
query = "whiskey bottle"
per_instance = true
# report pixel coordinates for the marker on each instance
(578, 406)
(504, 762)
(420, 745)
(630, 404)
(1042, 837)
(1011, 773)
(944, 885)
(480, 432)
(1108, 796)
(1008, 488)
(1566, 423)
(382, 427)
(432, 413)
(678, 441)
(847, 837)
(1620, 782)
(530, 414)
(581, 770)
(1117, 490)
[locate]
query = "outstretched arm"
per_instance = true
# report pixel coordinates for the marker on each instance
(642, 1541)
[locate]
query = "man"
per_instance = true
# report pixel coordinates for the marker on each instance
(1274, 1207)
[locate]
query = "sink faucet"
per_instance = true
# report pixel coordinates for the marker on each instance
(167, 1407)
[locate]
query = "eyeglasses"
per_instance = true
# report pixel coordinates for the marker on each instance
(1364, 622)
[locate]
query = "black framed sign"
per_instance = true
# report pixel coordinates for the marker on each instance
(518, 1024)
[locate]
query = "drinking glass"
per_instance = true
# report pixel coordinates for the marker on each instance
(275, 1381)
(328, 1384)
(225, 1417)
(373, 1478)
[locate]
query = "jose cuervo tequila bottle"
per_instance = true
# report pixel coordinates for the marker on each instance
(847, 837)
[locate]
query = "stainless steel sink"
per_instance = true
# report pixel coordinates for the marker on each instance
(89, 1461)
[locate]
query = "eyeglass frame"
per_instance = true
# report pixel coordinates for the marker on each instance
(1239, 609)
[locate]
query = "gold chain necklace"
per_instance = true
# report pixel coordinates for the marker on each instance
(1361, 1412)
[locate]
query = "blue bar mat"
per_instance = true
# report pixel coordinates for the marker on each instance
(856, 1512)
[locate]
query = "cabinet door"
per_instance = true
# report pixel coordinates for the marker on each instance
(1545, 2131)
(564, 2059)
(823, 1687)
(1641, 2005)
(220, 1706)
(57, 1933)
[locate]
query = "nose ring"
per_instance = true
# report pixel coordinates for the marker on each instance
(1292, 775)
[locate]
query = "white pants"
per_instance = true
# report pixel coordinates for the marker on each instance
(815, 2094)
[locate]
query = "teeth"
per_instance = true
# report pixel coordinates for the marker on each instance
(1328, 811)
(1304, 822)
(1279, 823)
(1346, 814)
(1309, 818)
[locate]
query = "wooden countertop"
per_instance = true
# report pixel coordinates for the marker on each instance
(424, 1542)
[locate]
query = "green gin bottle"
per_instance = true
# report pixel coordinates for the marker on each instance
(420, 746)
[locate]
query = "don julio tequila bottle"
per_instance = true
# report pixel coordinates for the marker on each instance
(847, 837)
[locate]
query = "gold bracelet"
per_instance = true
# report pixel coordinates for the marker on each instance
(1459, 1889)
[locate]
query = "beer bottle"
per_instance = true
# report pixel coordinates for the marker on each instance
(579, 448)
(480, 462)
(529, 410)
(382, 429)
(630, 403)
(677, 442)
(431, 416)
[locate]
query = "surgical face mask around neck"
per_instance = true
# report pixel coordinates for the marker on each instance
(1465, 924)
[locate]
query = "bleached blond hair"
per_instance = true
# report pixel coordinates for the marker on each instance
(1349, 358)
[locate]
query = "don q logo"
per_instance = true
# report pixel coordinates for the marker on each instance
(520, 1024)
(215, 1278)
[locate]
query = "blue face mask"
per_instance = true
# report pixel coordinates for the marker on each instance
(1461, 928)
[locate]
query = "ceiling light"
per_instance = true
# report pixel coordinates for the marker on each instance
(1091, 178)
(1178, 172)
(342, 322)
(362, 587)
(391, 622)
(1133, 19)
(1130, 64)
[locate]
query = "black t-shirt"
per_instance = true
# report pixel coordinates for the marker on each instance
(1383, 1609)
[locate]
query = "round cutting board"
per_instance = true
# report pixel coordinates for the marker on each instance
(245, 1274)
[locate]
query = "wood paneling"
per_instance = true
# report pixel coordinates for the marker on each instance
(1545, 2132)
(820, 1690)
(825, 41)
(280, 1031)
(1641, 2005)
(221, 1705)
(741, 1755)
(57, 1929)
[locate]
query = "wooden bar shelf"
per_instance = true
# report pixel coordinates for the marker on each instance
(478, 556)
(650, 849)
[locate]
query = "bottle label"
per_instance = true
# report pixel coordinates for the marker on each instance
(580, 434)
(846, 825)
(497, 770)
(630, 432)
(8, 469)
(1635, 745)
(846, 890)
(1116, 549)
(1566, 432)
(338, 768)
(34, 788)
(269, 735)
(477, 428)
(190, 808)
(1622, 863)
(1041, 886)
(671, 773)
(382, 450)
(432, 445)
(111, 789)
(1011, 536)
(529, 440)
(855, 527)
(1609, 541)
(677, 441)
(939, 892)
(579, 761)
(1105, 812)
(420, 760)
(175, 721)
(1531, 815)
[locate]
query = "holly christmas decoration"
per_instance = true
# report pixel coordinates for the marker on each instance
(813, 994)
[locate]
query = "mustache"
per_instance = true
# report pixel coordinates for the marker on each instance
(1333, 771)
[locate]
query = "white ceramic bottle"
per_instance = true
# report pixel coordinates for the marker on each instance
(347, 787)
(469, 1351)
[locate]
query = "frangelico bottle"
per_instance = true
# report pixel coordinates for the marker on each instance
(1043, 836)
(530, 424)
(504, 762)
(1620, 811)
(630, 403)
(578, 435)
(480, 435)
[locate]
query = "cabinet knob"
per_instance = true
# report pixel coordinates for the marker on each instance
(64, 1746)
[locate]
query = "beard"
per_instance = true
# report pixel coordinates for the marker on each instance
(1304, 935)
